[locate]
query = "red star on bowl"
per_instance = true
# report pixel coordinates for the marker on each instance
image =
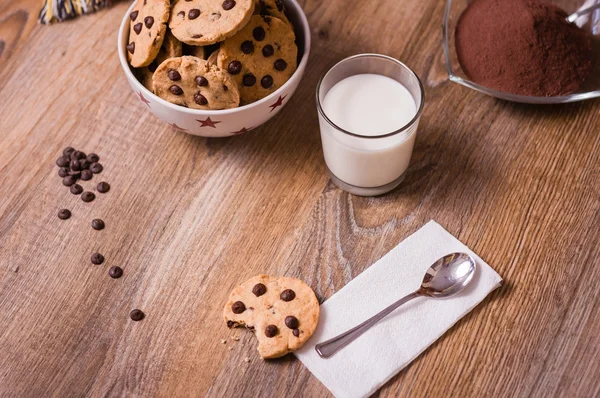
(143, 99)
(208, 123)
(277, 103)
(176, 127)
(242, 131)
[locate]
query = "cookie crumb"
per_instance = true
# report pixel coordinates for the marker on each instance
(247, 360)
(236, 338)
(230, 348)
(223, 341)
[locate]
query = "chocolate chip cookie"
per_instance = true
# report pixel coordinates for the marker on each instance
(194, 83)
(261, 57)
(204, 22)
(147, 28)
(282, 312)
(170, 48)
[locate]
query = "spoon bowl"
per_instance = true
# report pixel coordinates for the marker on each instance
(448, 275)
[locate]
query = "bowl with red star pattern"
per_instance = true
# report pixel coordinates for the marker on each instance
(226, 122)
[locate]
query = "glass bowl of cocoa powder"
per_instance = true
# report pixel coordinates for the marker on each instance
(521, 51)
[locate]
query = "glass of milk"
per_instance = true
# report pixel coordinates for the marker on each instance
(369, 109)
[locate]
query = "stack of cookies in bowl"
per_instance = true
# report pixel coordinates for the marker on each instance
(211, 54)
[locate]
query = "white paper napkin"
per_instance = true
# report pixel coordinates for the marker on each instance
(365, 365)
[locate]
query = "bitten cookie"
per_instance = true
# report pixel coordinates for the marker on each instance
(170, 48)
(282, 312)
(274, 8)
(194, 83)
(261, 57)
(147, 27)
(204, 22)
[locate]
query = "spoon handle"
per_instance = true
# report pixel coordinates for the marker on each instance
(331, 346)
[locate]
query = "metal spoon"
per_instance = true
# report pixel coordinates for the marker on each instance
(446, 277)
(573, 17)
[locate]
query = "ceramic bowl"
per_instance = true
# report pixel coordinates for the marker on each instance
(227, 122)
(589, 22)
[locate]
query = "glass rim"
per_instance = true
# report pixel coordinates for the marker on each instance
(383, 57)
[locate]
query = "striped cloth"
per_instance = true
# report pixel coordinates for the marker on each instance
(61, 10)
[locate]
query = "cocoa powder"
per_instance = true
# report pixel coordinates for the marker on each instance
(522, 47)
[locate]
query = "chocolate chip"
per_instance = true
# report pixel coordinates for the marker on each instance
(271, 331)
(88, 196)
(78, 155)
(115, 272)
(76, 189)
(201, 81)
(63, 172)
(152, 67)
(268, 50)
(62, 161)
(258, 33)
(225, 88)
(137, 28)
(175, 90)
(68, 151)
(181, 13)
(200, 99)
(174, 75)
(86, 175)
(74, 165)
(149, 21)
(136, 315)
(98, 224)
(291, 322)
(259, 289)
(69, 180)
(287, 295)
(249, 80)
(96, 168)
(133, 16)
(131, 47)
(234, 67)
(194, 13)
(247, 47)
(84, 164)
(103, 187)
(228, 5)
(280, 64)
(296, 332)
(92, 158)
(230, 324)
(238, 307)
(97, 258)
(266, 81)
(64, 214)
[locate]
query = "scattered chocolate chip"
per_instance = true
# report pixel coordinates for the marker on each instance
(86, 175)
(84, 164)
(133, 16)
(175, 90)
(234, 67)
(181, 13)
(266, 81)
(200, 99)
(136, 315)
(74, 165)
(291, 322)
(149, 21)
(137, 28)
(249, 80)
(247, 47)
(288, 295)
(258, 33)
(280, 64)
(131, 47)
(271, 331)
(76, 189)
(259, 289)
(97, 224)
(193, 13)
(103, 187)
(96, 168)
(78, 155)
(174, 75)
(88, 196)
(64, 214)
(69, 180)
(228, 5)
(296, 332)
(238, 307)
(63, 172)
(62, 161)
(92, 158)
(268, 50)
(97, 258)
(68, 151)
(230, 324)
(115, 272)
(201, 81)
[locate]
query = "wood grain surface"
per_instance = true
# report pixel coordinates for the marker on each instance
(189, 218)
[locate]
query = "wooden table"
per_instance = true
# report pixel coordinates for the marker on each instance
(189, 218)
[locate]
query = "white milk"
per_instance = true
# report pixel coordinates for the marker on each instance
(368, 105)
